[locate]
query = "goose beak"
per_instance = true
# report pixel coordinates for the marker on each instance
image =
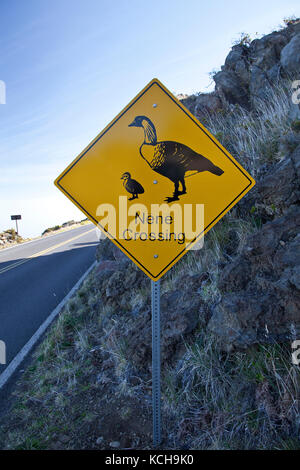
(133, 124)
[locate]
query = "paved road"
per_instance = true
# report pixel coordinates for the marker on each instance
(35, 277)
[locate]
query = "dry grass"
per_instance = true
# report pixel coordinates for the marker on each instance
(211, 400)
(244, 400)
(254, 137)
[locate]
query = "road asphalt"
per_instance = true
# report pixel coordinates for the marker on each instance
(35, 277)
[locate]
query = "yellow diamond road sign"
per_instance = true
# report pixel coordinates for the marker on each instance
(155, 180)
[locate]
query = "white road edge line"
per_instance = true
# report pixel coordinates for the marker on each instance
(14, 364)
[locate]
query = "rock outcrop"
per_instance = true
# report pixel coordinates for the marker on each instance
(261, 287)
(203, 103)
(9, 237)
(231, 89)
(290, 56)
(181, 312)
(250, 70)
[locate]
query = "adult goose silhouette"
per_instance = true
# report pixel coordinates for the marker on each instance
(171, 159)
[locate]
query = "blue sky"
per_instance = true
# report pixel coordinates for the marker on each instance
(71, 65)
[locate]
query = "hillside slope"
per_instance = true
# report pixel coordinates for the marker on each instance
(229, 311)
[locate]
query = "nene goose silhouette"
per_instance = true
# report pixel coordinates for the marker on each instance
(132, 186)
(171, 159)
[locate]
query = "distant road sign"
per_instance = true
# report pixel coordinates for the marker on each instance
(15, 217)
(154, 157)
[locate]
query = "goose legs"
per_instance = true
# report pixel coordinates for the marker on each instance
(176, 190)
(134, 196)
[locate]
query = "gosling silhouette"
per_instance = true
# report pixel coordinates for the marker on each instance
(132, 186)
(171, 159)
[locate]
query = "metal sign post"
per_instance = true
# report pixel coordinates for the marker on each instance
(16, 218)
(155, 290)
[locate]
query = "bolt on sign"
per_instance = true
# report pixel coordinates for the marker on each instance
(155, 180)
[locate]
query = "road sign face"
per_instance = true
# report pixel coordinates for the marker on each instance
(15, 217)
(153, 157)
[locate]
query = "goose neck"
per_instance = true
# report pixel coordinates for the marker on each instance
(149, 133)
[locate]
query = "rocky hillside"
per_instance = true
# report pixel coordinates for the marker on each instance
(64, 226)
(10, 237)
(260, 298)
(229, 311)
(250, 70)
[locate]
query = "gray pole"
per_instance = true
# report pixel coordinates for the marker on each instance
(155, 290)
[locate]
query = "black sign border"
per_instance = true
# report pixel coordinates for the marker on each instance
(153, 82)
